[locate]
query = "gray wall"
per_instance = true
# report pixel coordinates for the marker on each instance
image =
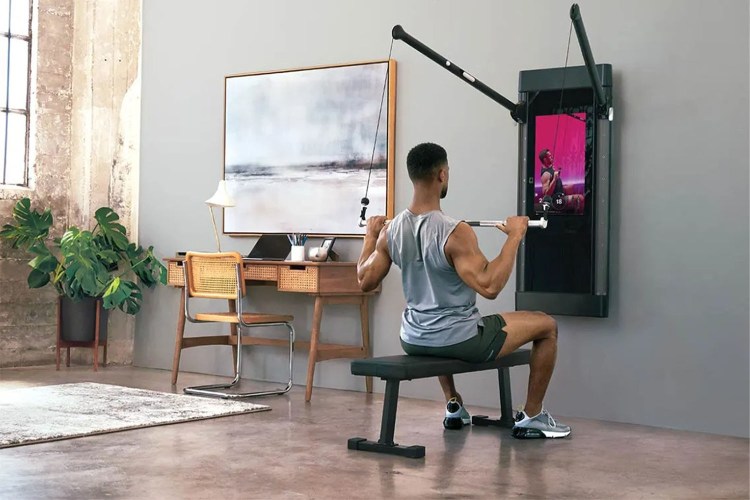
(674, 351)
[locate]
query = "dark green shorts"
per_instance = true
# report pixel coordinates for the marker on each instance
(479, 349)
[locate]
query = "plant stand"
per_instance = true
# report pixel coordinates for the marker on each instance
(92, 344)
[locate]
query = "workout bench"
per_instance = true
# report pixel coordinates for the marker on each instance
(394, 369)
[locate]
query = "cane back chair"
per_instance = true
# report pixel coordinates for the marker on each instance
(219, 276)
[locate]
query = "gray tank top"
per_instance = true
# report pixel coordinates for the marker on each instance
(440, 308)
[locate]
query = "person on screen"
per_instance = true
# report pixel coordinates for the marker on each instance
(553, 189)
(442, 270)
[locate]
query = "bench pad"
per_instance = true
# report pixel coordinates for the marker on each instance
(405, 367)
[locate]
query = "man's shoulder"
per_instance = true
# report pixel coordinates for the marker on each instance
(460, 230)
(397, 221)
(401, 215)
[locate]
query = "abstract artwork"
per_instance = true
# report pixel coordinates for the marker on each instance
(302, 147)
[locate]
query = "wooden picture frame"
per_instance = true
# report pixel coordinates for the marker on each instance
(300, 146)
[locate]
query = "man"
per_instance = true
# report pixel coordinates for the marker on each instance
(442, 271)
(552, 185)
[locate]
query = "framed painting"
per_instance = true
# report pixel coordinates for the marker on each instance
(302, 147)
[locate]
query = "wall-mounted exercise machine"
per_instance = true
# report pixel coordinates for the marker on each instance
(565, 143)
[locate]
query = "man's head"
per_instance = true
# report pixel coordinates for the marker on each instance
(546, 157)
(427, 163)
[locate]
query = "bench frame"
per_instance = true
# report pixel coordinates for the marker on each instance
(386, 444)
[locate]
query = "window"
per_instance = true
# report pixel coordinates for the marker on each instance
(15, 56)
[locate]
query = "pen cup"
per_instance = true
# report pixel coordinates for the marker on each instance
(297, 254)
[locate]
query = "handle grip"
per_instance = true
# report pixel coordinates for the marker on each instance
(542, 223)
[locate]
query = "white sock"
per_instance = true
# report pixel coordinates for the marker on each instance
(526, 415)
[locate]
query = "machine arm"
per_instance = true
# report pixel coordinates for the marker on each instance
(516, 110)
(588, 57)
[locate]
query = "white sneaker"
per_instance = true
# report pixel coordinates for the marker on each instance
(540, 426)
(456, 415)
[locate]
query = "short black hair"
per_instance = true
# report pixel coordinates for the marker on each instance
(542, 154)
(424, 160)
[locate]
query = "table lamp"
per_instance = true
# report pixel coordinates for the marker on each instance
(221, 198)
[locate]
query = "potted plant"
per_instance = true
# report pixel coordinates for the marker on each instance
(88, 268)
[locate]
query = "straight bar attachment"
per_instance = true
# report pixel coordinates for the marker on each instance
(492, 223)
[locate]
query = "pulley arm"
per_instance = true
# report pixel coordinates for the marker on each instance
(588, 59)
(517, 111)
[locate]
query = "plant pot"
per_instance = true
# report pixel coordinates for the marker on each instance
(78, 320)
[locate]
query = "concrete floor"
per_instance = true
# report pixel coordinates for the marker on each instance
(298, 450)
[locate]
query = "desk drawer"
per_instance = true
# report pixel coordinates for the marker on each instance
(298, 278)
(175, 274)
(261, 273)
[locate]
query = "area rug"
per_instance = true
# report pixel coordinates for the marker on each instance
(53, 412)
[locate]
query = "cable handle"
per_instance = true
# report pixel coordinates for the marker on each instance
(363, 214)
(542, 223)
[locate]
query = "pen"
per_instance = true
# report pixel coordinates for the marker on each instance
(297, 239)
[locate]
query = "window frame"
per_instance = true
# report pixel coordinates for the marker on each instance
(26, 111)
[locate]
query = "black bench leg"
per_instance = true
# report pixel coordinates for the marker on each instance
(387, 426)
(506, 403)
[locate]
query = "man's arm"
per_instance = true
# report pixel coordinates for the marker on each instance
(487, 278)
(548, 183)
(374, 261)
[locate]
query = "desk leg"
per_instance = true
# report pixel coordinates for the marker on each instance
(178, 337)
(313, 356)
(364, 318)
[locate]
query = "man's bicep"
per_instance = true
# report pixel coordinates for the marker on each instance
(379, 262)
(546, 181)
(383, 257)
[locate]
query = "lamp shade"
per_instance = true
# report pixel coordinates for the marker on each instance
(221, 197)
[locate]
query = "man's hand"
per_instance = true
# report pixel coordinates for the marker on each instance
(375, 224)
(515, 225)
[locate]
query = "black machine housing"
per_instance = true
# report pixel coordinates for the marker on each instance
(564, 268)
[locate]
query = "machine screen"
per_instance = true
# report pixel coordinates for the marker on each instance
(560, 163)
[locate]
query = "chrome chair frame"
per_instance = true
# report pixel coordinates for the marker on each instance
(212, 389)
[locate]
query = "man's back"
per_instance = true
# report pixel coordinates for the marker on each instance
(440, 308)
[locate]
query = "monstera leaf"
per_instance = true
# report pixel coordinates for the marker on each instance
(30, 226)
(43, 266)
(113, 232)
(146, 266)
(123, 294)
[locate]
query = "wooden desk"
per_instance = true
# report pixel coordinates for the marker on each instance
(328, 282)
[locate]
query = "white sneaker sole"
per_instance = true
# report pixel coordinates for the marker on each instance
(555, 434)
(533, 433)
(451, 421)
